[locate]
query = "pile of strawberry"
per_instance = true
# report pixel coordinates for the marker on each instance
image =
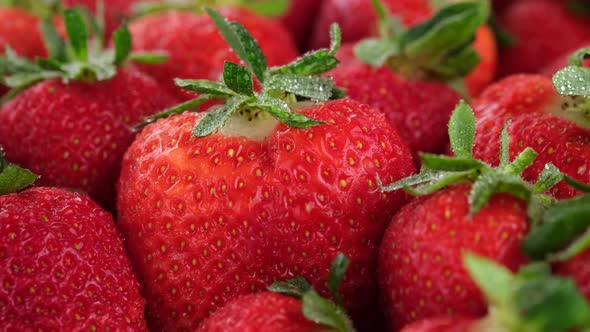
(303, 165)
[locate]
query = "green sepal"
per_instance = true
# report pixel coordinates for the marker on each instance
(337, 271)
(295, 287)
(56, 46)
(439, 172)
(572, 80)
(561, 224)
(270, 8)
(14, 178)
(549, 177)
(238, 79)
(315, 307)
(122, 39)
(242, 43)
(218, 116)
(577, 184)
(149, 58)
(532, 299)
(77, 33)
(439, 49)
(316, 88)
(322, 311)
(205, 86)
(192, 104)
(462, 130)
(281, 111)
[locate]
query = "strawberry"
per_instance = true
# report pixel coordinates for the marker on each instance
(411, 13)
(260, 189)
(299, 19)
(553, 125)
(291, 306)
(19, 30)
(541, 31)
(74, 127)
(177, 32)
(562, 238)
(63, 262)
(420, 268)
(407, 73)
(530, 300)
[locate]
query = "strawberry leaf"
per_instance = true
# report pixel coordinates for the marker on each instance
(572, 81)
(577, 184)
(313, 87)
(122, 38)
(177, 109)
(271, 8)
(375, 51)
(295, 287)
(242, 43)
(77, 33)
(325, 312)
(449, 164)
(462, 130)
(205, 86)
(13, 178)
(216, 118)
(56, 46)
(280, 110)
(548, 178)
(505, 145)
(525, 159)
(563, 222)
(339, 266)
(494, 280)
(238, 79)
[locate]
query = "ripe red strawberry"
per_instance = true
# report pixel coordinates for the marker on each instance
(74, 133)
(63, 263)
(299, 19)
(412, 12)
(177, 33)
(20, 30)
(531, 300)
(221, 209)
(290, 306)
(541, 30)
(444, 323)
(405, 84)
(420, 264)
(553, 125)
(562, 61)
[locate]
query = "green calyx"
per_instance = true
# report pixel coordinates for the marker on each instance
(573, 83)
(532, 300)
(272, 8)
(14, 178)
(315, 307)
(439, 48)
(441, 171)
(42, 8)
(282, 87)
(76, 59)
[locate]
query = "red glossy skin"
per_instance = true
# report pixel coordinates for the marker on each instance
(419, 110)
(262, 312)
(526, 100)
(74, 135)
(209, 219)
(64, 266)
(197, 50)
(362, 24)
(443, 324)
(19, 30)
(579, 269)
(421, 269)
(563, 61)
(300, 18)
(536, 26)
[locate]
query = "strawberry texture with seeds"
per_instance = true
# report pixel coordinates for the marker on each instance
(443, 323)
(81, 130)
(64, 266)
(420, 264)
(534, 107)
(208, 219)
(177, 33)
(263, 312)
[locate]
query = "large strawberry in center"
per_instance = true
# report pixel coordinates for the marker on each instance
(267, 186)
